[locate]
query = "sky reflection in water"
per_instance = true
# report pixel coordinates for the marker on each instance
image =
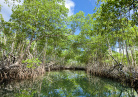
(67, 84)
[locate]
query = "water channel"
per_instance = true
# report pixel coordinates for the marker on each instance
(66, 84)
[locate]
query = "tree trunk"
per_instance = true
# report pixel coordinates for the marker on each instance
(132, 57)
(23, 53)
(135, 57)
(127, 55)
(110, 51)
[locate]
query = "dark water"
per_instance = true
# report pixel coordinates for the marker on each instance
(66, 84)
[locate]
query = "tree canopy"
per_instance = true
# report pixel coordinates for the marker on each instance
(42, 30)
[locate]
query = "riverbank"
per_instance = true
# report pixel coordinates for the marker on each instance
(20, 72)
(73, 83)
(127, 75)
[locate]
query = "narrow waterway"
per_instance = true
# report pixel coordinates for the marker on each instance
(66, 84)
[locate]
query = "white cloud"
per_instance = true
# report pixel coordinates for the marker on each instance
(6, 10)
(70, 5)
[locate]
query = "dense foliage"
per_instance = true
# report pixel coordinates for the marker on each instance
(41, 29)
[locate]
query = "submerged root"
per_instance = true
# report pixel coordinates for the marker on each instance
(21, 72)
(128, 75)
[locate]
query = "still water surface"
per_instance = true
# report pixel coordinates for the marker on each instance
(66, 84)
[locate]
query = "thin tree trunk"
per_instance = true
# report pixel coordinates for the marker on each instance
(123, 51)
(127, 55)
(23, 53)
(132, 57)
(110, 51)
(44, 57)
(135, 57)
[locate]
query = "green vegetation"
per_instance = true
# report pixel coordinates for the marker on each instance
(32, 62)
(68, 84)
(40, 31)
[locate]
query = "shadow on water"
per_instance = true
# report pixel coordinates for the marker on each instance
(66, 84)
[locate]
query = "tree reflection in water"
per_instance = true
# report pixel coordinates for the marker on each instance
(66, 84)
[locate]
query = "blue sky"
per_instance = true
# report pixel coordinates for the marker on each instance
(74, 6)
(86, 6)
